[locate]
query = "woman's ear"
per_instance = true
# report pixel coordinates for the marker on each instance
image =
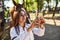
(14, 3)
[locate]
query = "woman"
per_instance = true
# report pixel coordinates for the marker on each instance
(21, 30)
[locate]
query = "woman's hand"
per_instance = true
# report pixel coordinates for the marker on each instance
(41, 22)
(38, 21)
(33, 24)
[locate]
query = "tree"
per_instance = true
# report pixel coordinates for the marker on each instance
(55, 7)
(1, 19)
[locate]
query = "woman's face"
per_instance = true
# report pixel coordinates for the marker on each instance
(22, 17)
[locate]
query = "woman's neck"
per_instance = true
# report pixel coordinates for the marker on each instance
(22, 25)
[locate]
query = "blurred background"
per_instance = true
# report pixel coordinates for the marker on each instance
(49, 9)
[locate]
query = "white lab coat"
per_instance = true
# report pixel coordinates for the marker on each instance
(24, 35)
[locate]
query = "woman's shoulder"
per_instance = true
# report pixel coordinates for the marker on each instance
(12, 28)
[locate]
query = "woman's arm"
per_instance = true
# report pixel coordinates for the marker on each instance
(39, 31)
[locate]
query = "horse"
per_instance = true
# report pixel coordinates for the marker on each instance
(16, 8)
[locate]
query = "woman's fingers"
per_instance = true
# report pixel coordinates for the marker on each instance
(41, 22)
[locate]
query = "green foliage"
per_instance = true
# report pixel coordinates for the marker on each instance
(48, 1)
(58, 0)
(30, 5)
(6, 12)
(40, 4)
(16, 1)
